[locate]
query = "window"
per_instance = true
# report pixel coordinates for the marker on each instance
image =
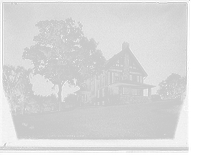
(126, 91)
(132, 65)
(133, 77)
(141, 79)
(98, 84)
(103, 92)
(92, 86)
(115, 90)
(134, 91)
(117, 76)
(121, 62)
(103, 80)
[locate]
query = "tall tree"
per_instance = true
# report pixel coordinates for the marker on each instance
(52, 55)
(89, 60)
(23, 89)
(63, 54)
(17, 85)
(173, 87)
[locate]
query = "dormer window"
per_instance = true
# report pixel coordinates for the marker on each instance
(119, 63)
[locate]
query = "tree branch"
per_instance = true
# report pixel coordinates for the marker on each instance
(63, 82)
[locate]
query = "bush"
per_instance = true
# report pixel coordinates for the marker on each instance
(71, 100)
(156, 98)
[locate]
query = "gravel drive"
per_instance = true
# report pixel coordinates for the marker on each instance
(156, 120)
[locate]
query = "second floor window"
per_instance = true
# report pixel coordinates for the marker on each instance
(132, 65)
(119, 63)
(103, 92)
(133, 77)
(117, 76)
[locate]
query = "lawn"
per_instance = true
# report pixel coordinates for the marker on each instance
(143, 121)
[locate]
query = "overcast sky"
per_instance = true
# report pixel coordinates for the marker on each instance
(157, 33)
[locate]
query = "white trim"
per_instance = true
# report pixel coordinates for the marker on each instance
(112, 81)
(108, 77)
(136, 73)
(115, 70)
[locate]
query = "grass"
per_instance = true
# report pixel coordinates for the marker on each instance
(144, 121)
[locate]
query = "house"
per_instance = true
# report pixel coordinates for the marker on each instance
(121, 81)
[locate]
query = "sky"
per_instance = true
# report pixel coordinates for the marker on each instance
(156, 33)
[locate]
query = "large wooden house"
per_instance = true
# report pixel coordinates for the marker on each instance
(121, 81)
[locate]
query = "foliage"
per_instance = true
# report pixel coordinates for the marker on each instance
(71, 99)
(173, 87)
(40, 103)
(49, 103)
(63, 54)
(35, 104)
(155, 97)
(16, 84)
(89, 60)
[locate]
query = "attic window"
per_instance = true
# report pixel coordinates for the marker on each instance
(132, 65)
(118, 63)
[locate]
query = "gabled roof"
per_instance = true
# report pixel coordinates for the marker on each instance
(114, 59)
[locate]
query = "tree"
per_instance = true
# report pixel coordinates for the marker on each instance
(173, 87)
(163, 89)
(52, 55)
(35, 104)
(9, 82)
(23, 89)
(89, 60)
(49, 102)
(63, 54)
(16, 84)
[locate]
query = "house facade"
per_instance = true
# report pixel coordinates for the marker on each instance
(121, 81)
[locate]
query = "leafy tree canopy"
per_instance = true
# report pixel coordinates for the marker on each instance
(173, 87)
(62, 52)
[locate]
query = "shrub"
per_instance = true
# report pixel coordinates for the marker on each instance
(156, 97)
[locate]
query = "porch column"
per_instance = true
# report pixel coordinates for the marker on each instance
(120, 90)
(149, 93)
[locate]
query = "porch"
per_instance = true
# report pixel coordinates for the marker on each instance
(83, 96)
(130, 93)
(131, 89)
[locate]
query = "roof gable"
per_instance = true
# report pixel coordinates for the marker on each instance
(120, 57)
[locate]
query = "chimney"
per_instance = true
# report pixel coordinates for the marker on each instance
(125, 45)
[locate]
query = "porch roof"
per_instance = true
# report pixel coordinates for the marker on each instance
(83, 90)
(144, 86)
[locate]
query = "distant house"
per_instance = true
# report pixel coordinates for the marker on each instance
(121, 81)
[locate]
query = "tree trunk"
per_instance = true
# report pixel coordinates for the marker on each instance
(59, 96)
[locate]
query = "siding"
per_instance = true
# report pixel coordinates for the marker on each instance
(135, 73)
(112, 78)
(109, 74)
